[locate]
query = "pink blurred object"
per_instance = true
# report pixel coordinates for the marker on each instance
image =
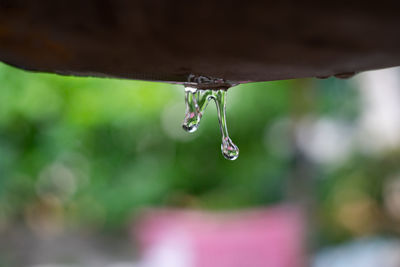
(259, 238)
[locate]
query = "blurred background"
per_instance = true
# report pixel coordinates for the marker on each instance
(98, 172)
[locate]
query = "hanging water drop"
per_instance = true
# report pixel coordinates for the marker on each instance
(228, 148)
(196, 101)
(193, 115)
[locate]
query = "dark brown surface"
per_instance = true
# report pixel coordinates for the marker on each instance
(167, 40)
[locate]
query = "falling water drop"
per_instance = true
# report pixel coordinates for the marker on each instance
(196, 101)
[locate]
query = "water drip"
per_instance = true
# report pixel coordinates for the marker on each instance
(196, 101)
(228, 148)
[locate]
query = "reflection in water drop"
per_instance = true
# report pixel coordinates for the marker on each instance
(196, 102)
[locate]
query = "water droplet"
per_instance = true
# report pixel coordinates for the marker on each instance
(196, 101)
(193, 114)
(228, 148)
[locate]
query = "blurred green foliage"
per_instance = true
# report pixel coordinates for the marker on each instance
(102, 149)
(122, 144)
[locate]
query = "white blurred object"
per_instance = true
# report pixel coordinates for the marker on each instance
(379, 124)
(174, 250)
(324, 140)
(373, 252)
